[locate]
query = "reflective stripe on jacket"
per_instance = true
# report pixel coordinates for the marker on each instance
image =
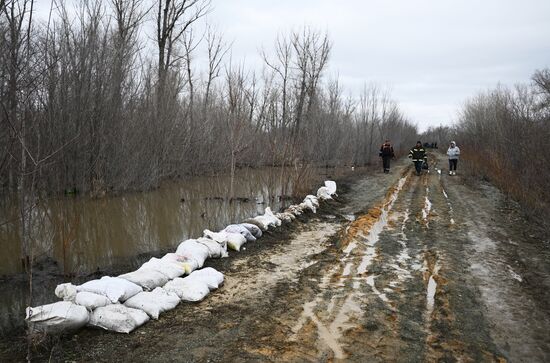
(418, 154)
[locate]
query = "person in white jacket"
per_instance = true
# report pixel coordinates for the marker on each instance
(453, 152)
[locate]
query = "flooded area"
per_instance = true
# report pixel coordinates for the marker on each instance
(398, 267)
(78, 235)
(84, 234)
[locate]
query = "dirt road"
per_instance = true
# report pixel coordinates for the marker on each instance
(399, 268)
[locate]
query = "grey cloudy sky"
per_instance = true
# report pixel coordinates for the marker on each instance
(432, 54)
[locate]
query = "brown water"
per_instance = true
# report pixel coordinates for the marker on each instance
(79, 235)
(83, 234)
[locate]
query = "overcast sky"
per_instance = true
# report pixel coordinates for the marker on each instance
(433, 54)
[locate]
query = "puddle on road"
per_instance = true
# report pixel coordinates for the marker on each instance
(377, 227)
(347, 269)
(382, 296)
(431, 271)
(324, 333)
(335, 318)
(451, 212)
(427, 208)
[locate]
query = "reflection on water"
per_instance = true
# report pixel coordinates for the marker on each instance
(82, 234)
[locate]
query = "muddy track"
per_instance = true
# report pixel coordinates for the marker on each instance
(399, 268)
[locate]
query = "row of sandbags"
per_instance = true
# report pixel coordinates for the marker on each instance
(116, 304)
(126, 302)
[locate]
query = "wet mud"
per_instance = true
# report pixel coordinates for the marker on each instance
(399, 268)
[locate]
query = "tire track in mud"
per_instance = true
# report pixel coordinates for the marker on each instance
(335, 316)
(388, 296)
(456, 324)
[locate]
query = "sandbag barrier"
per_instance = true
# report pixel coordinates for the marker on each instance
(123, 303)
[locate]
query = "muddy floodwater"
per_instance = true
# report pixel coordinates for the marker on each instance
(79, 235)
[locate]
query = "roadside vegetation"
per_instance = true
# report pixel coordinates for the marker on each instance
(503, 134)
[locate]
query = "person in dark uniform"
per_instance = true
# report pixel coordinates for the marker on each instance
(418, 156)
(386, 153)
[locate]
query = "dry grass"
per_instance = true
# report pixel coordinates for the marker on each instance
(526, 184)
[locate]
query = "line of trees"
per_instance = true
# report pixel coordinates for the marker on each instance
(90, 100)
(504, 133)
(106, 96)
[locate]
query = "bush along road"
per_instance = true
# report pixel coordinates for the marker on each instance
(399, 267)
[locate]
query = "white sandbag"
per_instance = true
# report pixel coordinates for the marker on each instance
(294, 209)
(331, 186)
(194, 254)
(66, 291)
(268, 219)
(90, 300)
(260, 221)
(233, 240)
(58, 317)
(254, 229)
(219, 237)
(148, 279)
(87, 299)
(215, 249)
(169, 267)
(285, 217)
(239, 228)
(153, 302)
(314, 199)
(307, 204)
(186, 289)
(290, 215)
(208, 275)
(176, 261)
(118, 318)
(115, 288)
(323, 193)
(276, 221)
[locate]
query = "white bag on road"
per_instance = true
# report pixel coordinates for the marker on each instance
(211, 277)
(215, 249)
(148, 279)
(323, 193)
(87, 299)
(193, 253)
(254, 229)
(276, 222)
(115, 288)
(90, 300)
(57, 317)
(285, 217)
(331, 186)
(166, 266)
(118, 318)
(308, 204)
(239, 228)
(66, 291)
(233, 240)
(314, 199)
(186, 289)
(153, 302)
